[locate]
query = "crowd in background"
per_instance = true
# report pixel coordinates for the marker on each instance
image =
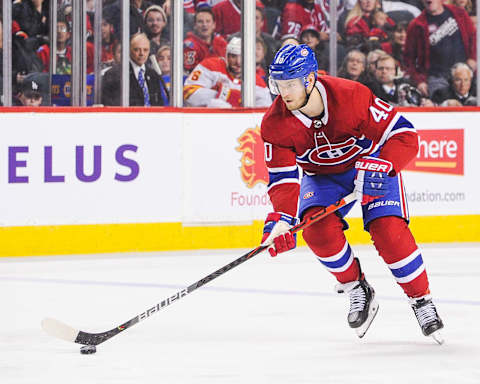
(409, 52)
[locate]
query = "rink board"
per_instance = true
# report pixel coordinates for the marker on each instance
(113, 180)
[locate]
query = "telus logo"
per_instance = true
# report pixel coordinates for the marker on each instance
(122, 158)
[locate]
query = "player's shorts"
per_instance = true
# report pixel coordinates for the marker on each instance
(323, 190)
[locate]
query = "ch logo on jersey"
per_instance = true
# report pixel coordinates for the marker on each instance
(336, 153)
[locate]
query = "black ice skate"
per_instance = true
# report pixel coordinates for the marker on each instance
(427, 317)
(363, 306)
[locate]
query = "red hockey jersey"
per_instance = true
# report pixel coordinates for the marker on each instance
(355, 123)
(295, 17)
(196, 49)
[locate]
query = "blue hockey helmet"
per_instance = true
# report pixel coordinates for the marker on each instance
(292, 62)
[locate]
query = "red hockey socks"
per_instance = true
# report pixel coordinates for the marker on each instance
(395, 244)
(327, 240)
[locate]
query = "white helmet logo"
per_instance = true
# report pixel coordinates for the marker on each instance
(304, 52)
(34, 86)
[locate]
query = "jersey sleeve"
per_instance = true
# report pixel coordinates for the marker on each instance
(394, 134)
(197, 90)
(284, 177)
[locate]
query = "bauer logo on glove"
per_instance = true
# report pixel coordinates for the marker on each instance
(372, 180)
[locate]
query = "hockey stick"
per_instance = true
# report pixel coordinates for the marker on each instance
(62, 331)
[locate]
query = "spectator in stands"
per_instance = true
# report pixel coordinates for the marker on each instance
(203, 42)
(228, 16)
(30, 18)
(271, 44)
(261, 66)
(372, 58)
(396, 47)
(29, 31)
(310, 36)
(359, 19)
(460, 90)
(300, 13)
(64, 51)
(137, 7)
(216, 82)
(108, 42)
(30, 95)
(155, 21)
(437, 39)
(164, 61)
(354, 66)
(468, 6)
(289, 40)
(145, 83)
(385, 84)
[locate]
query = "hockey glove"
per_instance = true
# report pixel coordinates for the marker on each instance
(225, 93)
(372, 180)
(276, 233)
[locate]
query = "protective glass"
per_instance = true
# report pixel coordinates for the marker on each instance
(290, 86)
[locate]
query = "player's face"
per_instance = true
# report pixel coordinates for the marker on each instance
(234, 63)
(204, 25)
(139, 50)
(462, 80)
(292, 92)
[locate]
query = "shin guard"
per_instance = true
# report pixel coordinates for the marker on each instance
(327, 240)
(395, 244)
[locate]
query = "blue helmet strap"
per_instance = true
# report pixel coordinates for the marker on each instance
(305, 83)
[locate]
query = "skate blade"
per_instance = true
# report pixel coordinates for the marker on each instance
(372, 312)
(437, 336)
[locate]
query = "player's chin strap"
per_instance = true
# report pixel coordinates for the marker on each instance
(308, 94)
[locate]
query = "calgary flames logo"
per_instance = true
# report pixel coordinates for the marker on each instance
(253, 169)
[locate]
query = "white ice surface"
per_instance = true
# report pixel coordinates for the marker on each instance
(267, 321)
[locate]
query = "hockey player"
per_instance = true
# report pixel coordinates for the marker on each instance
(217, 82)
(344, 139)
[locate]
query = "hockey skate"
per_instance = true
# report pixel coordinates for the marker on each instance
(363, 306)
(427, 317)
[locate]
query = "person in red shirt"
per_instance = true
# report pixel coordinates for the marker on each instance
(228, 16)
(297, 15)
(359, 21)
(203, 42)
(342, 139)
(64, 52)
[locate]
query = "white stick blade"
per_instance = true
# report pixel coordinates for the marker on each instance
(59, 330)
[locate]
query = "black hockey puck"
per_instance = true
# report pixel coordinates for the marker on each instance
(88, 349)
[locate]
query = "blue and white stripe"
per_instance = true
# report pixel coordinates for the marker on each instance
(399, 124)
(409, 268)
(283, 175)
(339, 262)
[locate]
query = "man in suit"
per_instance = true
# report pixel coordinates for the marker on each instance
(397, 91)
(461, 91)
(145, 84)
